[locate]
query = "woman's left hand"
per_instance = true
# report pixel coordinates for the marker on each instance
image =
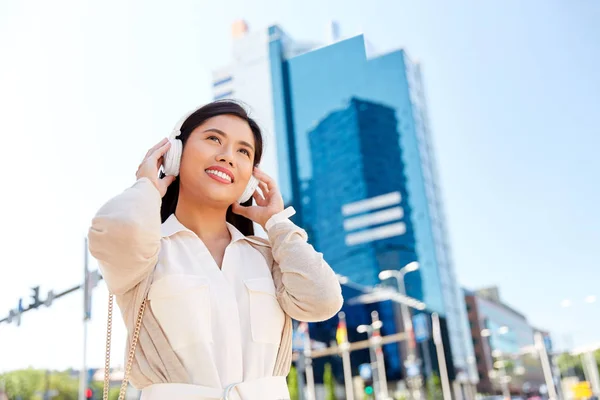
(267, 206)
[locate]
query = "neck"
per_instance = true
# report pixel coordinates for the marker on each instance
(208, 222)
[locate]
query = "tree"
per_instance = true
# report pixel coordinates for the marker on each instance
(23, 383)
(570, 365)
(329, 383)
(31, 384)
(65, 384)
(292, 381)
(434, 387)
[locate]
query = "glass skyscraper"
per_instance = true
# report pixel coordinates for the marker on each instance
(355, 155)
(352, 154)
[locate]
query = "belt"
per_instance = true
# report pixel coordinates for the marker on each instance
(269, 388)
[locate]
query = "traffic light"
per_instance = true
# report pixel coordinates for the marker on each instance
(366, 373)
(89, 393)
(35, 297)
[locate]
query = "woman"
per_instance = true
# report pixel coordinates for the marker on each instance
(219, 300)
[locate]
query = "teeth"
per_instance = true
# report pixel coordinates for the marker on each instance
(219, 174)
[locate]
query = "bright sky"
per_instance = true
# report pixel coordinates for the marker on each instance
(513, 89)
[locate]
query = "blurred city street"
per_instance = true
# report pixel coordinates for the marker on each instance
(441, 157)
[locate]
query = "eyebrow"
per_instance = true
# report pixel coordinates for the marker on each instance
(220, 132)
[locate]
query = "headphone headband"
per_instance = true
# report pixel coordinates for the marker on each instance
(177, 129)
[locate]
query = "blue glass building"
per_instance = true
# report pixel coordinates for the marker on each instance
(354, 158)
(355, 155)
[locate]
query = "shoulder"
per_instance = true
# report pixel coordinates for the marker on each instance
(261, 245)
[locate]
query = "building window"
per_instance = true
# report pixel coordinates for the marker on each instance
(222, 81)
(223, 95)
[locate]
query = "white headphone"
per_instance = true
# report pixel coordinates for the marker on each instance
(172, 159)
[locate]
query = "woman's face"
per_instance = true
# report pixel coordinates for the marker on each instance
(218, 159)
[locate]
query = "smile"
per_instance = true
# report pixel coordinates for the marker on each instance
(219, 176)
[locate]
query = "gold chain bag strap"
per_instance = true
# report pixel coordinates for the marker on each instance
(134, 340)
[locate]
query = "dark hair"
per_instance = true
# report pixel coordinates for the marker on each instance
(220, 107)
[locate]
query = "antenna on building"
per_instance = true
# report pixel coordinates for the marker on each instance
(333, 32)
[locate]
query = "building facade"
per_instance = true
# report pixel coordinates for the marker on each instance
(351, 150)
(501, 333)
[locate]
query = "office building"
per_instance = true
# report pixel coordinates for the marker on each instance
(501, 333)
(351, 150)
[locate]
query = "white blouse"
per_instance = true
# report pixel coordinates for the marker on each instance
(224, 324)
(208, 327)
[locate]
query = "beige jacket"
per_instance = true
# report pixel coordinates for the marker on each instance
(125, 237)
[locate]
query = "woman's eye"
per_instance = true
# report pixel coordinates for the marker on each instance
(213, 138)
(246, 152)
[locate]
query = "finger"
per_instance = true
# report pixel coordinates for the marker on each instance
(263, 177)
(156, 146)
(260, 191)
(260, 200)
(158, 153)
(265, 189)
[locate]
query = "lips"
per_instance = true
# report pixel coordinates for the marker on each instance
(221, 174)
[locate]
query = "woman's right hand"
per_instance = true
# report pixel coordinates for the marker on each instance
(151, 165)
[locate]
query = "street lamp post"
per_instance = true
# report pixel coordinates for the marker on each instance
(376, 355)
(540, 346)
(411, 357)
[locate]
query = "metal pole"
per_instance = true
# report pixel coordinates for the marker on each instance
(381, 371)
(428, 368)
(301, 369)
(310, 377)
(379, 357)
(347, 372)
(411, 357)
(374, 367)
(541, 347)
(439, 344)
(82, 373)
(406, 320)
(301, 364)
(504, 380)
(345, 347)
(556, 376)
(591, 366)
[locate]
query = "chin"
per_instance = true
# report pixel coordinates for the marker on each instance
(220, 195)
(224, 198)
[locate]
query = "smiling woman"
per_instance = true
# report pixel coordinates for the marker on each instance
(219, 137)
(208, 306)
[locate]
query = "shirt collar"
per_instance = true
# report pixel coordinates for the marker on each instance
(172, 226)
(235, 233)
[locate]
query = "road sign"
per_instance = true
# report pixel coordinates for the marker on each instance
(421, 327)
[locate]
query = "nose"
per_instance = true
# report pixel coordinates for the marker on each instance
(225, 156)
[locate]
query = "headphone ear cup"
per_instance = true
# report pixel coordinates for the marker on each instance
(172, 158)
(250, 189)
